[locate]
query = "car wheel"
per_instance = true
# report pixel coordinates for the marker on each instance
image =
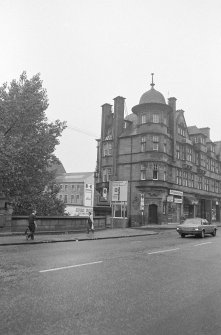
(202, 234)
(214, 232)
(182, 235)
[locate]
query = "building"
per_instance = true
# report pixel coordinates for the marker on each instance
(172, 170)
(77, 192)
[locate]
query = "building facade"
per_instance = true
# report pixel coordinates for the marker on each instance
(173, 170)
(77, 192)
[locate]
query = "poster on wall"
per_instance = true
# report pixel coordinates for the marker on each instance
(119, 191)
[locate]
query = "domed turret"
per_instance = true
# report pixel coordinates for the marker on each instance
(152, 96)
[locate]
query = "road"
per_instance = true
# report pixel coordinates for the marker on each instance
(151, 285)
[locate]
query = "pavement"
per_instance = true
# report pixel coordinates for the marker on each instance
(49, 237)
(8, 238)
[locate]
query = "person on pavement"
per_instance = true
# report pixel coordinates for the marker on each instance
(31, 225)
(90, 224)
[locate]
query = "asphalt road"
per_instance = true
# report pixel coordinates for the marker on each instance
(151, 285)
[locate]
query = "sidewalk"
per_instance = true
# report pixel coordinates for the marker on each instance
(20, 238)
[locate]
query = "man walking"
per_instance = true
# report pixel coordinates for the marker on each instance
(31, 225)
(90, 224)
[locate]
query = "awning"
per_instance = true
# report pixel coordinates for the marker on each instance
(190, 200)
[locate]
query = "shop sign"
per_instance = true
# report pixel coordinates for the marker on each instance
(175, 192)
(178, 201)
(170, 198)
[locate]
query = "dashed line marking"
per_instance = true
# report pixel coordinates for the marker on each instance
(197, 245)
(70, 266)
(161, 251)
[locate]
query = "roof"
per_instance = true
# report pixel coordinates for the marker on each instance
(193, 130)
(73, 177)
(152, 96)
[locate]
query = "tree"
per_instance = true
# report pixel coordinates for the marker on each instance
(27, 145)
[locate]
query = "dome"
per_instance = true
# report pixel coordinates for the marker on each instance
(152, 96)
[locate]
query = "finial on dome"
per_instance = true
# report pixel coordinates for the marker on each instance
(152, 84)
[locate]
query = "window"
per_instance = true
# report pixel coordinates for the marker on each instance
(119, 210)
(155, 172)
(106, 174)
(217, 187)
(177, 151)
(143, 144)
(142, 172)
(164, 174)
(60, 196)
(77, 198)
(206, 184)
(179, 177)
(155, 146)
(185, 178)
(192, 180)
(72, 198)
(73, 187)
(212, 185)
(156, 118)
(200, 183)
(212, 165)
(107, 149)
(189, 154)
(143, 118)
(65, 187)
(65, 198)
(155, 143)
(165, 147)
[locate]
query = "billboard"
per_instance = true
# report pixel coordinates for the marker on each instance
(119, 191)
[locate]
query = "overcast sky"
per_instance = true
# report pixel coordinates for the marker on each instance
(90, 51)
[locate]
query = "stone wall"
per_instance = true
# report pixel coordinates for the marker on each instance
(57, 223)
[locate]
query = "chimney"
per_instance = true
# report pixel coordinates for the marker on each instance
(172, 103)
(106, 112)
(118, 115)
(118, 129)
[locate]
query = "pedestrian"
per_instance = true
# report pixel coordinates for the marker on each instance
(31, 225)
(90, 224)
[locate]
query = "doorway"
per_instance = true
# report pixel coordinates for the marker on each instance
(152, 218)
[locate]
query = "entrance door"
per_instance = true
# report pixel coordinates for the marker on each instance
(152, 214)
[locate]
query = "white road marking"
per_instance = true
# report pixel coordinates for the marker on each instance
(197, 245)
(161, 251)
(70, 266)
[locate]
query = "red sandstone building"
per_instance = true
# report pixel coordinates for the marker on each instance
(172, 170)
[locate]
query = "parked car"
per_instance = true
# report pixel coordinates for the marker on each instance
(197, 227)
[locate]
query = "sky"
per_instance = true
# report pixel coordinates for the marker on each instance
(88, 52)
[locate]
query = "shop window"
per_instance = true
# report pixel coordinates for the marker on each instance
(120, 210)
